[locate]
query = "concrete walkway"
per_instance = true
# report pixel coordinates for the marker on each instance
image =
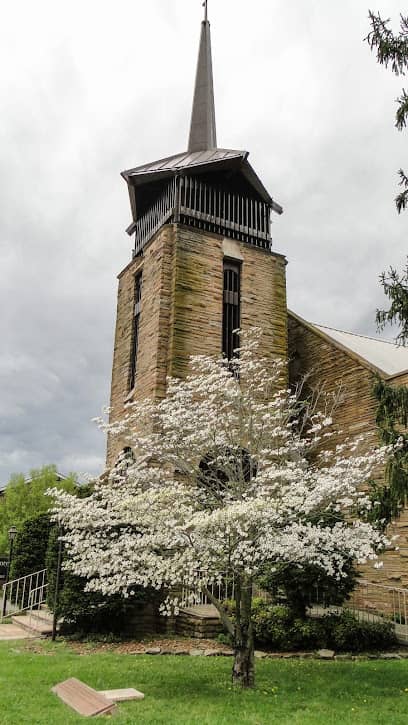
(12, 631)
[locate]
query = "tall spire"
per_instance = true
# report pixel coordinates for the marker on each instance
(203, 135)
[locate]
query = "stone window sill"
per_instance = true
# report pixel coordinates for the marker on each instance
(129, 396)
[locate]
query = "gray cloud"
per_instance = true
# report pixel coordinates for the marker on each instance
(85, 95)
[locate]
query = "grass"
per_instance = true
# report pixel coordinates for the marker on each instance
(197, 690)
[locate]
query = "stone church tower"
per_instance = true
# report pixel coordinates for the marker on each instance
(202, 263)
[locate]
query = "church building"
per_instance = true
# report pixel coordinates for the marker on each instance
(203, 265)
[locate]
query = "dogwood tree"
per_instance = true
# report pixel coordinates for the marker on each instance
(224, 479)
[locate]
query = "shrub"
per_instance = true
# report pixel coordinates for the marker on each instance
(29, 551)
(271, 625)
(30, 546)
(276, 628)
(298, 585)
(346, 633)
(85, 612)
(307, 634)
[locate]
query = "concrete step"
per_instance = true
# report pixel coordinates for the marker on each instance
(199, 621)
(42, 615)
(9, 632)
(33, 624)
(202, 611)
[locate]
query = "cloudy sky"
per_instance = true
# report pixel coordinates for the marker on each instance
(88, 89)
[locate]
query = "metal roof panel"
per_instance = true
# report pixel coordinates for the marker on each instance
(184, 161)
(383, 354)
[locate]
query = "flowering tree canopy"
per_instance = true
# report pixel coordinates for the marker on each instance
(225, 478)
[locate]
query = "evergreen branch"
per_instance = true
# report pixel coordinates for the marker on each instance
(395, 287)
(392, 421)
(391, 49)
(402, 111)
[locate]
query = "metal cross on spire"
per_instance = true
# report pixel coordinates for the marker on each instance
(205, 6)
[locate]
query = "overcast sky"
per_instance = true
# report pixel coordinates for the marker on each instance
(88, 89)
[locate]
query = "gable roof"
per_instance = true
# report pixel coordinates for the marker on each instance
(386, 358)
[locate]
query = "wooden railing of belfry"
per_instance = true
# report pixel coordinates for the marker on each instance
(158, 214)
(195, 203)
(224, 212)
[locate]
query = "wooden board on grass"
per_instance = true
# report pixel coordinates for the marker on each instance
(83, 699)
(122, 695)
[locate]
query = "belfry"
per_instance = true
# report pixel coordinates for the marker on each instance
(202, 264)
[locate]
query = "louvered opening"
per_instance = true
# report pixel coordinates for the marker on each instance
(135, 332)
(231, 308)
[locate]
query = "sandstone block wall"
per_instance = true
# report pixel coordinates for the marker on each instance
(355, 415)
(181, 310)
(335, 372)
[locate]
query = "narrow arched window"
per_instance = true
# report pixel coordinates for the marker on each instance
(135, 330)
(231, 307)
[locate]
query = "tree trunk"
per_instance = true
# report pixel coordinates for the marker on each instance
(243, 670)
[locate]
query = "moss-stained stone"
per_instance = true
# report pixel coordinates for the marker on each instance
(333, 369)
(181, 310)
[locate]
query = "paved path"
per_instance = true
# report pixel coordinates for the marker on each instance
(11, 631)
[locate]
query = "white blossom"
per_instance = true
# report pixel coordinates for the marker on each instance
(226, 477)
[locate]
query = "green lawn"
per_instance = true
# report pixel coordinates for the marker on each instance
(197, 689)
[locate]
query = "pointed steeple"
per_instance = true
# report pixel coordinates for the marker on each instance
(203, 136)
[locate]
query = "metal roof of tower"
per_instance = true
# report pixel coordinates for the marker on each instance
(200, 160)
(203, 134)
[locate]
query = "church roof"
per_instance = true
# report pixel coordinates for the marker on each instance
(200, 161)
(185, 160)
(383, 356)
(392, 359)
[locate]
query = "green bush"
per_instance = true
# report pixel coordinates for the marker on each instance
(271, 625)
(298, 586)
(84, 612)
(30, 546)
(276, 628)
(307, 634)
(345, 633)
(29, 550)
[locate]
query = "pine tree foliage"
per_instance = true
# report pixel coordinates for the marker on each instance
(392, 420)
(395, 287)
(392, 50)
